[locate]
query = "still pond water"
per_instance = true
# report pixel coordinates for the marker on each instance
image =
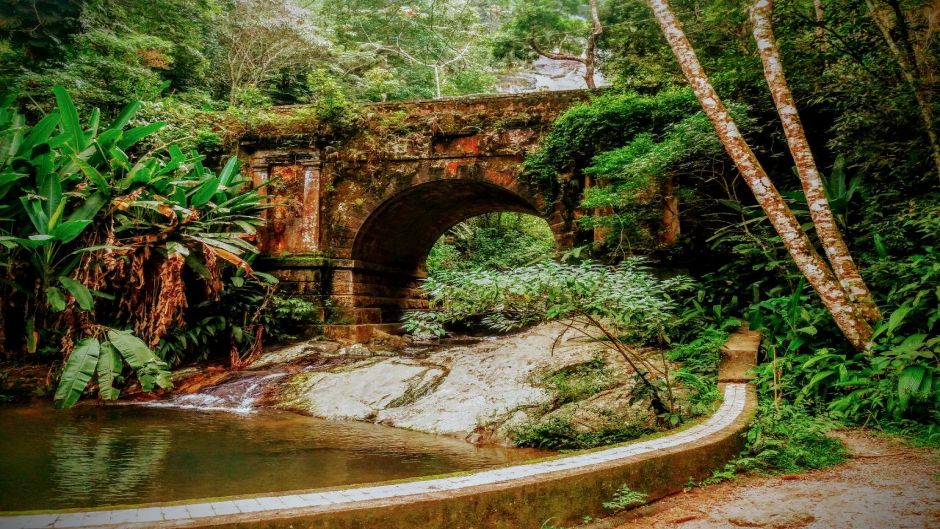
(119, 455)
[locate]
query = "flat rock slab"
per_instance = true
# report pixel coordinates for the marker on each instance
(359, 391)
(464, 392)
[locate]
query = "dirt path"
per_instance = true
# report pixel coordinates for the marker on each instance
(886, 485)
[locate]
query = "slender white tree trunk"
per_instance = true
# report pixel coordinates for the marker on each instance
(829, 235)
(590, 54)
(812, 266)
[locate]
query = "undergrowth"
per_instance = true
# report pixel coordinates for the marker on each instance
(577, 382)
(558, 433)
(787, 440)
(624, 498)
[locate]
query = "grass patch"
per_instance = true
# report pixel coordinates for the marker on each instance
(913, 433)
(702, 355)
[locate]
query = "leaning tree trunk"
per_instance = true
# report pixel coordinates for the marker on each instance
(812, 266)
(829, 236)
(908, 66)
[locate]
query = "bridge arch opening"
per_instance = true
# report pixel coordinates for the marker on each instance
(391, 246)
(401, 231)
(492, 241)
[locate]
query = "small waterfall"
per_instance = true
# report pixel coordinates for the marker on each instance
(237, 395)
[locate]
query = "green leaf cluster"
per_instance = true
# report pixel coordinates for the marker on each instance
(78, 202)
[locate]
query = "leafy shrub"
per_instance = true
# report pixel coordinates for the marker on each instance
(626, 304)
(636, 303)
(99, 242)
(290, 318)
(493, 241)
(574, 383)
(785, 441)
(604, 123)
(557, 433)
(702, 355)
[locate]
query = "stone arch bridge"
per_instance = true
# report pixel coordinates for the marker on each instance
(359, 210)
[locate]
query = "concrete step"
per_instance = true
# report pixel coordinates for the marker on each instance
(739, 356)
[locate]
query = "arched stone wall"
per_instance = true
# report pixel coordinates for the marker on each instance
(355, 218)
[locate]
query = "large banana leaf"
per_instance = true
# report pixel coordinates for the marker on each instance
(77, 372)
(109, 368)
(79, 291)
(70, 124)
(151, 371)
(132, 348)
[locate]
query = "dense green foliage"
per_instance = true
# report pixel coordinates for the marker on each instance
(97, 237)
(628, 297)
(554, 26)
(212, 54)
(649, 140)
(785, 440)
(495, 241)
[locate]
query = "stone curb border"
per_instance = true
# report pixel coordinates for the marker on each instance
(522, 496)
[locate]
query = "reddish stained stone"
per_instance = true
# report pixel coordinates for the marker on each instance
(457, 145)
(293, 223)
(452, 168)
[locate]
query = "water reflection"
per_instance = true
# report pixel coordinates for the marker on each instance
(118, 464)
(93, 457)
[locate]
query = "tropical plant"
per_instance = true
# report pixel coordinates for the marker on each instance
(492, 241)
(626, 304)
(96, 238)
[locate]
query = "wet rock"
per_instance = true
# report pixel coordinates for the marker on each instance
(296, 352)
(605, 411)
(478, 391)
(356, 350)
(361, 390)
(466, 392)
(383, 341)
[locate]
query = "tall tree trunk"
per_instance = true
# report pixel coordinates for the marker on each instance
(908, 65)
(829, 236)
(590, 54)
(820, 30)
(671, 227)
(812, 266)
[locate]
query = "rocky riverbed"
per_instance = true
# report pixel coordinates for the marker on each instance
(481, 390)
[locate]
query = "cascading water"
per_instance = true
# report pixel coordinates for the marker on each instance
(239, 395)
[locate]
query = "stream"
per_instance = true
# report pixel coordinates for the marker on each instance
(94, 456)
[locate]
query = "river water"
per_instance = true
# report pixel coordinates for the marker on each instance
(122, 455)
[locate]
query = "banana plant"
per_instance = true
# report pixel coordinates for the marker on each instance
(102, 357)
(64, 183)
